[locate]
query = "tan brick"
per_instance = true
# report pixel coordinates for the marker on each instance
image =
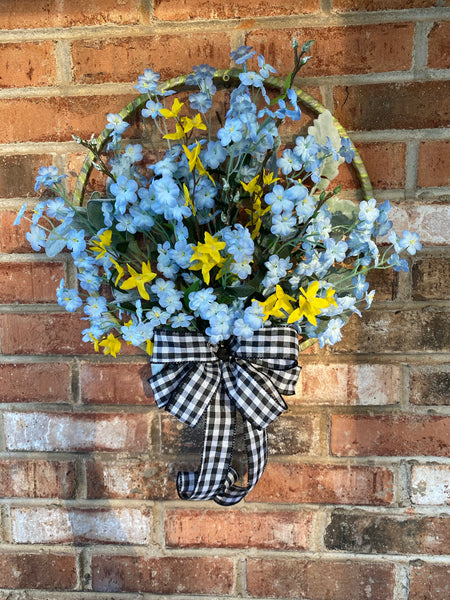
(324, 484)
(124, 59)
(339, 50)
(67, 13)
(77, 432)
(431, 278)
(412, 105)
(35, 382)
(43, 571)
(361, 435)
(43, 525)
(18, 173)
(166, 575)
(37, 479)
(430, 484)
(224, 529)
(432, 221)
(430, 385)
(319, 579)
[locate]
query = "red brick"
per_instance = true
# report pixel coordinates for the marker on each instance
(43, 571)
(439, 46)
(225, 529)
(124, 59)
(399, 331)
(319, 580)
(430, 485)
(434, 163)
(342, 384)
(361, 435)
(57, 525)
(56, 119)
(167, 575)
(12, 238)
(18, 173)
(67, 13)
(377, 534)
(27, 64)
(35, 382)
(324, 484)
(385, 165)
(431, 278)
(116, 383)
(131, 479)
(37, 479)
(340, 50)
(369, 5)
(413, 105)
(430, 385)
(231, 9)
(429, 582)
(29, 282)
(67, 432)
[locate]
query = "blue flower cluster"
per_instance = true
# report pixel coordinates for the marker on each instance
(224, 233)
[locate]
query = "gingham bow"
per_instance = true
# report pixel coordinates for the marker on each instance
(200, 378)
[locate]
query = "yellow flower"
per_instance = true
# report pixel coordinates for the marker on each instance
(195, 162)
(170, 114)
(99, 247)
(252, 187)
(119, 269)
(111, 345)
(255, 216)
(208, 256)
(187, 197)
(149, 348)
(139, 280)
(278, 304)
(179, 133)
(95, 340)
(309, 306)
(189, 124)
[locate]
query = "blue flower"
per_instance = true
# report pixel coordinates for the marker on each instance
(181, 320)
(278, 200)
(48, 177)
(242, 329)
(254, 315)
(264, 68)
(289, 162)
(152, 109)
(126, 223)
(332, 333)
(411, 242)
(133, 152)
(397, 263)
(214, 154)
(95, 306)
(76, 241)
(37, 238)
(20, 214)
(346, 150)
(232, 131)
(148, 82)
(242, 54)
(283, 224)
(368, 210)
(306, 148)
(125, 192)
(360, 286)
(68, 298)
(201, 301)
(116, 123)
(239, 242)
(200, 102)
(251, 78)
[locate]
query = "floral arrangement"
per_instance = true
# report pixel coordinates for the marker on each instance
(227, 233)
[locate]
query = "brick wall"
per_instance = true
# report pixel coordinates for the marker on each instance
(354, 502)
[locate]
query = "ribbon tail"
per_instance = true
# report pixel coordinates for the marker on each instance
(215, 473)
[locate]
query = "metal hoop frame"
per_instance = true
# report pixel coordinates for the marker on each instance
(225, 78)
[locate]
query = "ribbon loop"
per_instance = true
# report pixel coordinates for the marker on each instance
(248, 374)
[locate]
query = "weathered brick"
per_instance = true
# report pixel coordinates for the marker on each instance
(67, 13)
(439, 46)
(131, 479)
(77, 432)
(31, 282)
(324, 484)
(225, 529)
(12, 238)
(43, 525)
(124, 59)
(385, 282)
(432, 221)
(18, 173)
(37, 479)
(319, 580)
(359, 384)
(34, 382)
(430, 484)
(382, 435)
(422, 330)
(369, 5)
(434, 163)
(376, 534)
(229, 9)
(412, 105)
(289, 435)
(430, 385)
(27, 64)
(56, 119)
(385, 163)
(43, 571)
(116, 383)
(431, 278)
(429, 582)
(166, 575)
(340, 50)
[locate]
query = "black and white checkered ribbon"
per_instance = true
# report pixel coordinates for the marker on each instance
(198, 379)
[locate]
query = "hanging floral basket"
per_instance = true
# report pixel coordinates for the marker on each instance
(221, 255)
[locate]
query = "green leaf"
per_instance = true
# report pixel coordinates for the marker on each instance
(94, 212)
